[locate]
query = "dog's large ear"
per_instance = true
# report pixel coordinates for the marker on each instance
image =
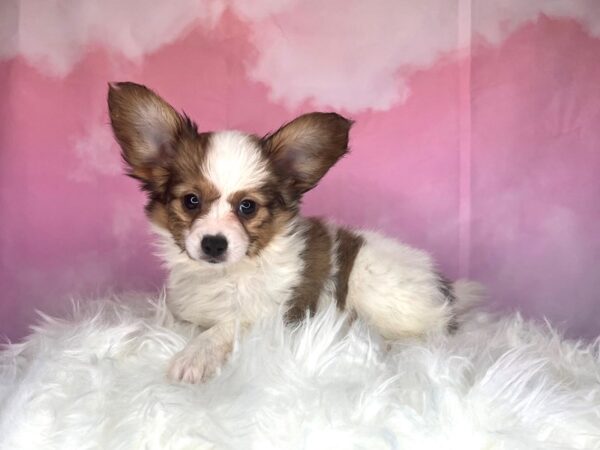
(145, 126)
(306, 148)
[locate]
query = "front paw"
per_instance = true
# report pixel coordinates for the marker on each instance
(198, 362)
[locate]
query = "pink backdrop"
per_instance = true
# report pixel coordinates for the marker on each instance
(477, 134)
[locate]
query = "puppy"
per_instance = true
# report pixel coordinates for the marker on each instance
(225, 206)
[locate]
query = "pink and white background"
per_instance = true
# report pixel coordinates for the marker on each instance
(477, 134)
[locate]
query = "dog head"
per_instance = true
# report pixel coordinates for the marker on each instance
(221, 195)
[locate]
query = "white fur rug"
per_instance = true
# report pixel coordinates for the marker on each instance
(98, 381)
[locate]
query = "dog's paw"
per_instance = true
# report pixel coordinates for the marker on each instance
(198, 362)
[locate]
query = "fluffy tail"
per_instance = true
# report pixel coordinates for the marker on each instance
(468, 296)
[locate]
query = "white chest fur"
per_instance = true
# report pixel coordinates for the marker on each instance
(206, 295)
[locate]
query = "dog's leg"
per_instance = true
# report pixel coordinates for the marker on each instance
(203, 356)
(397, 290)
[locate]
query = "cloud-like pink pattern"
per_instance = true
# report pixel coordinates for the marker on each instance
(482, 151)
(346, 54)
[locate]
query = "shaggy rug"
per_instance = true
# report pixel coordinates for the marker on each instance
(98, 380)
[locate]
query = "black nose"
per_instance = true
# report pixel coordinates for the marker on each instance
(214, 246)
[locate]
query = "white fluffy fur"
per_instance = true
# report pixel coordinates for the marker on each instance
(395, 287)
(244, 292)
(98, 381)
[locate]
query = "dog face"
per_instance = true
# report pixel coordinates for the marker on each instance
(221, 195)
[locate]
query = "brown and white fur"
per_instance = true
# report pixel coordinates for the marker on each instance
(225, 206)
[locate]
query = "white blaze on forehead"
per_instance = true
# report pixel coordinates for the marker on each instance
(234, 163)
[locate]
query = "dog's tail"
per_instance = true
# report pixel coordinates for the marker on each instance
(468, 295)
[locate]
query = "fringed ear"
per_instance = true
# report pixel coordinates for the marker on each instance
(307, 147)
(146, 128)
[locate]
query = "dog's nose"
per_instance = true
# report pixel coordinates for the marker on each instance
(214, 246)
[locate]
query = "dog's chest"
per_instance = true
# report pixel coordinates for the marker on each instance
(243, 293)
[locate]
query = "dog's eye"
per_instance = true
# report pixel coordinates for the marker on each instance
(191, 201)
(246, 208)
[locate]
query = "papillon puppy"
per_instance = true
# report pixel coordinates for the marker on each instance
(225, 206)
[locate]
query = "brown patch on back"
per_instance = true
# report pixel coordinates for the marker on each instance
(348, 247)
(317, 268)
